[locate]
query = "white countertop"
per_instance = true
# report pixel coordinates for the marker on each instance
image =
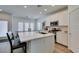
(27, 36)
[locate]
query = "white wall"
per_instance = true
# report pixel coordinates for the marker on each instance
(6, 17)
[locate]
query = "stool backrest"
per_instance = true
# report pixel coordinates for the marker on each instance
(10, 38)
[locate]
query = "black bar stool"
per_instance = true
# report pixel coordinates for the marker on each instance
(16, 45)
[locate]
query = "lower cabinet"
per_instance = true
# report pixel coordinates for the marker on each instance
(62, 37)
(42, 45)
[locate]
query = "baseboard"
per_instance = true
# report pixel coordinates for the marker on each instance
(66, 47)
(62, 44)
(71, 51)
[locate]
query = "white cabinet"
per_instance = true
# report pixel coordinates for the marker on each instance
(72, 8)
(62, 37)
(42, 45)
(74, 31)
(63, 18)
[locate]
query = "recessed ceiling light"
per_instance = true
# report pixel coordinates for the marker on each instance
(45, 9)
(25, 6)
(0, 9)
(40, 12)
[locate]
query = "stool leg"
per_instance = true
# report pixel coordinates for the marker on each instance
(11, 50)
(25, 50)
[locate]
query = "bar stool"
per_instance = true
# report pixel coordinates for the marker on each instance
(16, 45)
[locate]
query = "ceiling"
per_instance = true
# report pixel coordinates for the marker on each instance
(32, 11)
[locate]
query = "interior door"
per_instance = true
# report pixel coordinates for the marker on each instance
(74, 30)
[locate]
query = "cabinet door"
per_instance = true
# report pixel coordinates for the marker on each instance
(65, 38)
(74, 30)
(42, 45)
(62, 38)
(63, 17)
(72, 8)
(59, 38)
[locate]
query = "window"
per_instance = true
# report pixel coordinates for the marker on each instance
(20, 26)
(26, 26)
(39, 26)
(32, 26)
(3, 28)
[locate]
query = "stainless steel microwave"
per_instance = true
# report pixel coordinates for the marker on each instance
(54, 23)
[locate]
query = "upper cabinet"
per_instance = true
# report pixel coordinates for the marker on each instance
(61, 17)
(72, 8)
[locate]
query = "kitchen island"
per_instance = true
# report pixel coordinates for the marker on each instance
(38, 42)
